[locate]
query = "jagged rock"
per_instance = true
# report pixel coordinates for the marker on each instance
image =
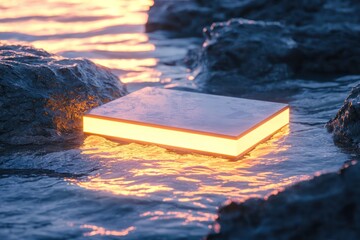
(309, 39)
(43, 96)
(189, 17)
(345, 126)
(328, 49)
(326, 207)
(172, 16)
(240, 53)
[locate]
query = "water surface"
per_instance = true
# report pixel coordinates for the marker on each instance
(105, 189)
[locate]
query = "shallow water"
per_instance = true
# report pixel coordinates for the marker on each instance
(104, 189)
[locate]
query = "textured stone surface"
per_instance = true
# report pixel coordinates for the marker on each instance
(240, 53)
(43, 96)
(287, 40)
(326, 207)
(189, 17)
(345, 126)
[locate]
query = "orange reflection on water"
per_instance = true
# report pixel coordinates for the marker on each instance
(55, 14)
(127, 64)
(137, 170)
(51, 27)
(277, 143)
(123, 187)
(63, 7)
(151, 75)
(96, 230)
(189, 216)
(56, 10)
(68, 45)
(107, 32)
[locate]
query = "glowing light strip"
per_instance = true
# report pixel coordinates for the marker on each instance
(187, 140)
(262, 132)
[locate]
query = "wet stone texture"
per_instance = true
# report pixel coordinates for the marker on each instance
(345, 126)
(283, 40)
(326, 207)
(240, 53)
(43, 96)
(189, 17)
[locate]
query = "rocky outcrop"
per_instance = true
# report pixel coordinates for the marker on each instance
(240, 53)
(345, 126)
(284, 39)
(43, 96)
(327, 49)
(189, 17)
(326, 207)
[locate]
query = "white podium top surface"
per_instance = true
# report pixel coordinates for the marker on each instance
(188, 111)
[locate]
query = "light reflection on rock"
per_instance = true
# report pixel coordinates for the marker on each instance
(43, 96)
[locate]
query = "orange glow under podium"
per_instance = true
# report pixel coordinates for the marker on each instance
(188, 121)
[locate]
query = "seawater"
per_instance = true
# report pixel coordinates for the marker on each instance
(109, 190)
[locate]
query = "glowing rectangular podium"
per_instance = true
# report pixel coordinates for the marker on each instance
(205, 123)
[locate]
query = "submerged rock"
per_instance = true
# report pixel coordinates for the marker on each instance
(189, 17)
(43, 96)
(326, 207)
(345, 126)
(239, 53)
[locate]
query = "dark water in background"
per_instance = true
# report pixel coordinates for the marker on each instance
(104, 189)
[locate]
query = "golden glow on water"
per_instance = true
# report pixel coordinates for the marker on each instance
(109, 13)
(151, 75)
(186, 140)
(127, 64)
(188, 217)
(121, 186)
(193, 181)
(84, 45)
(107, 32)
(152, 171)
(96, 230)
(37, 28)
(111, 34)
(63, 7)
(127, 42)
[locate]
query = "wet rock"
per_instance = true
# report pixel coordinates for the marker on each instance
(326, 207)
(287, 40)
(43, 96)
(240, 53)
(189, 17)
(328, 49)
(345, 126)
